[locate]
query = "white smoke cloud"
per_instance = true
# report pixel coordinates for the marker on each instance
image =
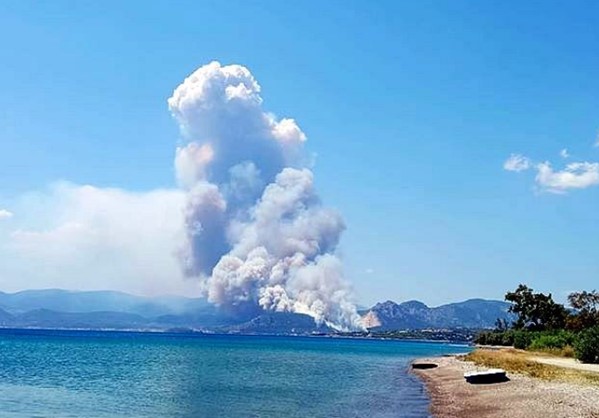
(5, 214)
(256, 231)
(205, 222)
(90, 238)
(191, 162)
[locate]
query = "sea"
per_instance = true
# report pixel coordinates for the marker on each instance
(134, 374)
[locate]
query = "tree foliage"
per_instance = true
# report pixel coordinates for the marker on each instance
(587, 307)
(543, 324)
(535, 311)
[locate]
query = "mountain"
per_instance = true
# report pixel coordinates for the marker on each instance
(279, 323)
(6, 319)
(56, 308)
(99, 301)
(473, 313)
(45, 318)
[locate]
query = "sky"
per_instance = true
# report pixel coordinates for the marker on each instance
(458, 140)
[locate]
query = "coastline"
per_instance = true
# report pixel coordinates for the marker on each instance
(520, 397)
(201, 333)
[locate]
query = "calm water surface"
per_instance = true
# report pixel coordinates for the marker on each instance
(113, 374)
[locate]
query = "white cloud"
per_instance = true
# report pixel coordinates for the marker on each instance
(575, 176)
(85, 237)
(517, 163)
(5, 214)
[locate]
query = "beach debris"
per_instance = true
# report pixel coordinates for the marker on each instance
(424, 366)
(486, 376)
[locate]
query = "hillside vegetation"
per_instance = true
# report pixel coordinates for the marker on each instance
(543, 325)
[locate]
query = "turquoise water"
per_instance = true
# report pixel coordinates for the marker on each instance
(110, 374)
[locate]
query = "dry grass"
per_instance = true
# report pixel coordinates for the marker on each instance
(567, 351)
(518, 361)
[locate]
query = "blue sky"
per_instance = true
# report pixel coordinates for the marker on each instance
(411, 109)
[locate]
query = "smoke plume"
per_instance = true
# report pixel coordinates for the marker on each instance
(257, 234)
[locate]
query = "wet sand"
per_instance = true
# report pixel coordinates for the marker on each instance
(520, 397)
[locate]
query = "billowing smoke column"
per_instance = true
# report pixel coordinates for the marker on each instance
(256, 232)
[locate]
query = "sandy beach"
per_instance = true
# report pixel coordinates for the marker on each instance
(520, 397)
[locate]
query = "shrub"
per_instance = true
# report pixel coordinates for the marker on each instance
(586, 346)
(481, 338)
(568, 351)
(495, 338)
(507, 338)
(522, 339)
(552, 340)
(518, 338)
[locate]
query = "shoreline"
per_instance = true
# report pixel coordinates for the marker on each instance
(194, 333)
(520, 397)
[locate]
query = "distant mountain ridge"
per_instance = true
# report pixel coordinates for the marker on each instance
(472, 313)
(56, 308)
(101, 300)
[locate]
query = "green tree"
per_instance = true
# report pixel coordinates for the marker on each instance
(587, 307)
(536, 311)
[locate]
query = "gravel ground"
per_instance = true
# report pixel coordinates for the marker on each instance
(521, 397)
